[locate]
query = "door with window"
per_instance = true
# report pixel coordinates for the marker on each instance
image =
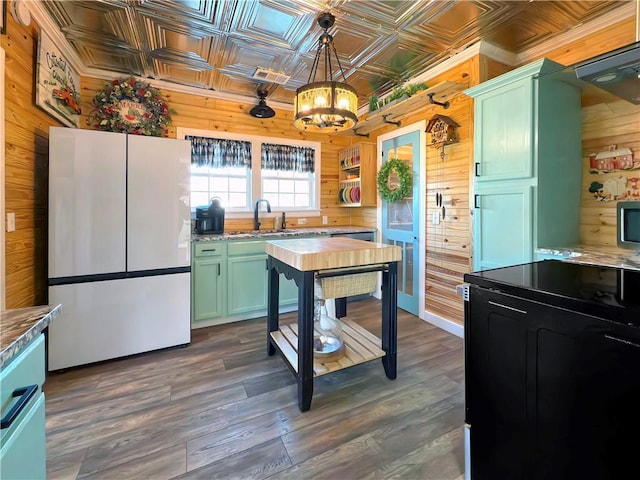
(400, 222)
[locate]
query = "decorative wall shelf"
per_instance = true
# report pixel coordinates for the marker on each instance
(437, 95)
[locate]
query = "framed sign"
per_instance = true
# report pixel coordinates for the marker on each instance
(3, 17)
(57, 83)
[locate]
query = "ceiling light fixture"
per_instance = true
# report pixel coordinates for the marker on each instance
(326, 105)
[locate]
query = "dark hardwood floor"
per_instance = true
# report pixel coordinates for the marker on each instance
(222, 408)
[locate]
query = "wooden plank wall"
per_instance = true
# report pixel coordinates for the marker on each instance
(448, 245)
(26, 171)
(216, 115)
(603, 124)
(606, 120)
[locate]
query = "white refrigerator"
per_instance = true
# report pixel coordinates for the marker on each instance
(119, 245)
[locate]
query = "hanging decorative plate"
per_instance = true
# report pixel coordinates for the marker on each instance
(130, 106)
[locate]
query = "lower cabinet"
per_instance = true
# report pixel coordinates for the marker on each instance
(208, 281)
(23, 436)
(229, 282)
(550, 393)
(247, 280)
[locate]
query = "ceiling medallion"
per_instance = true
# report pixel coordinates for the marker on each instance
(327, 105)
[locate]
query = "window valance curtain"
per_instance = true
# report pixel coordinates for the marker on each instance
(288, 158)
(219, 153)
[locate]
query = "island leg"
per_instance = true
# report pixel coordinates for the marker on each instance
(273, 291)
(390, 319)
(305, 341)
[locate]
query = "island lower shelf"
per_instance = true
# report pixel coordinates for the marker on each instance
(360, 346)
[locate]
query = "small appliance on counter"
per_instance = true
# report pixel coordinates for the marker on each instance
(210, 218)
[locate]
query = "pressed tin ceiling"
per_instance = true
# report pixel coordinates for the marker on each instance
(219, 44)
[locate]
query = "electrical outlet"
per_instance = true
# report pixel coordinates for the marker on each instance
(435, 218)
(11, 222)
(302, 221)
(325, 219)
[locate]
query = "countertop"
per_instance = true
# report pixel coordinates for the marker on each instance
(21, 325)
(592, 255)
(287, 233)
(333, 252)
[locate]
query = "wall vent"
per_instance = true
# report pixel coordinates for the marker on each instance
(266, 75)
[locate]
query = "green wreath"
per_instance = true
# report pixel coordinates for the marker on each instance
(404, 176)
(130, 106)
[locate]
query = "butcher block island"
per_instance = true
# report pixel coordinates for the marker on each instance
(318, 265)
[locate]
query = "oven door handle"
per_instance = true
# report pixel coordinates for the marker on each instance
(25, 394)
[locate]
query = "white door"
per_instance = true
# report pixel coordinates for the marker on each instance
(86, 202)
(158, 212)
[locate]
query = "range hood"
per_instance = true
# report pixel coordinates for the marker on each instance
(617, 72)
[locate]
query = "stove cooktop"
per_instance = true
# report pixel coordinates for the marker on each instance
(606, 292)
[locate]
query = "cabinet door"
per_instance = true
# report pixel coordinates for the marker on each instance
(503, 147)
(502, 226)
(587, 387)
(247, 285)
(208, 289)
(496, 356)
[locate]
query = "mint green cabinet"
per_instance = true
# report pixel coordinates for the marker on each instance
(504, 132)
(23, 437)
(505, 209)
(208, 281)
(527, 164)
(247, 264)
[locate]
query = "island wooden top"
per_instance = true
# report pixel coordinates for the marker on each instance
(333, 252)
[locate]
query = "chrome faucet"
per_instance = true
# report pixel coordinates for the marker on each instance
(256, 222)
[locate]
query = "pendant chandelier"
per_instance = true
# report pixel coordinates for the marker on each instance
(325, 105)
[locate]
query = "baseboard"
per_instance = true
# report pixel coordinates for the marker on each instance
(440, 322)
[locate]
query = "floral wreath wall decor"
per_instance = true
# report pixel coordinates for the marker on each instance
(394, 193)
(131, 106)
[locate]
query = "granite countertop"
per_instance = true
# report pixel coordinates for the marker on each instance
(289, 232)
(21, 325)
(593, 255)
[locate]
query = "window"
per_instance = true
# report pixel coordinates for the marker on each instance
(240, 169)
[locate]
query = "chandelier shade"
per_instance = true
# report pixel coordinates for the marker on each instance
(326, 105)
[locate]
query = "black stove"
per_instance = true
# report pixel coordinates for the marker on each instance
(606, 292)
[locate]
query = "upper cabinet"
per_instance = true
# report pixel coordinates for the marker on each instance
(504, 131)
(357, 176)
(528, 164)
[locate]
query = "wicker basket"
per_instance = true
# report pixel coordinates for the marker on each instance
(344, 285)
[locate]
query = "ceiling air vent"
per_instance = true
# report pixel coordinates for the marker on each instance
(266, 75)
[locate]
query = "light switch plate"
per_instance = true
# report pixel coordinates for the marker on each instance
(325, 219)
(11, 222)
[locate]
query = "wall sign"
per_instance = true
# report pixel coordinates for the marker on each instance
(3, 17)
(57, 83)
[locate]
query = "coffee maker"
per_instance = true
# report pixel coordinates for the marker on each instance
(210, 218)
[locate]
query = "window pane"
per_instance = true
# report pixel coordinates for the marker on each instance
(199, 183)
(219, 184)
(199, 198)
(287, 200)
(302, 187)
(237, 184)
(272, 198)
(286, 186)
(302, 200)
(237, 200)
(270, 185)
